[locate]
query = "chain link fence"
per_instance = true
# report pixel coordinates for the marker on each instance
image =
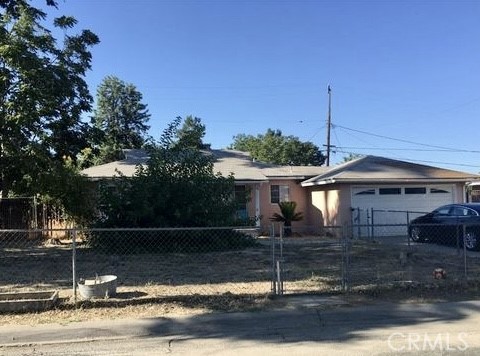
(223, 261)
(371, 223)
(338, 261)
(306, 263)
(147, 262)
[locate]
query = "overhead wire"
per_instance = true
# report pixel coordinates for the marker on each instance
(408, 141)
(434, 148)
(402, 149)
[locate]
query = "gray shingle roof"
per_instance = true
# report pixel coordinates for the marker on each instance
(380, 169)
(238, 163)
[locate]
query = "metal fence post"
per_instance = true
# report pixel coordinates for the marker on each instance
(408, 223)
(359, 221)
(74, 265)
(373, 225)
(345, 260)
(280, 262)
(465, 253)
(279, 278)
(274, 285)
(35, 216)
(347, 244)
(458, 237)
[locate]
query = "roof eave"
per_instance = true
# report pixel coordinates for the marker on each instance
(249, 181)
(303, 177)
(387, 180)
(321, 182)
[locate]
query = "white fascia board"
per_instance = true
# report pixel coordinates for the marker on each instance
(323, 182)
(388, 181)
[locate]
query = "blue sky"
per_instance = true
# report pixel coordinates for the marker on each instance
(407, 70)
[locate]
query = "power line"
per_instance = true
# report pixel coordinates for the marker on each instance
(407, 141)
(359, 139)
(444, 163)
(435, 148)
(406, 149)
(339, 150)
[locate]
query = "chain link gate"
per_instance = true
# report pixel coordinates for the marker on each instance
(334, 261)
(277, 260)
(314, 263)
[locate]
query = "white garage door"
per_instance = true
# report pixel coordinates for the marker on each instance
(390, 203)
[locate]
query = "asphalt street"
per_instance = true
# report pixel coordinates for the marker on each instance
(304, 326)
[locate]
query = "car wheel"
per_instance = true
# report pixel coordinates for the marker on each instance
(415, 234)
(471, 241)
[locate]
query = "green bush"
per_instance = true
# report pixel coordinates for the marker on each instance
(124, 241)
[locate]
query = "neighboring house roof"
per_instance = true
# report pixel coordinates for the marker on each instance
(372, 169)
(241, 165)
(126, 166)
(227, 162)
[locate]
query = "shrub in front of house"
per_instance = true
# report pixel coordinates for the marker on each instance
(134, 241)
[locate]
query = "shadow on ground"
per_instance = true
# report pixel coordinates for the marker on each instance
(304, 324)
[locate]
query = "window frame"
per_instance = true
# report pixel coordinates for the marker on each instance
(390, 191)
(282, 193)
(240, 192)
(366, 191)
(415, 190)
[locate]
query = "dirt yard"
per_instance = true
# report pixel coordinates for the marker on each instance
(159, 284)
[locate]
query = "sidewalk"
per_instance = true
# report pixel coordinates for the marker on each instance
(306, 325)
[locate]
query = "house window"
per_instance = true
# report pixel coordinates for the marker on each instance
(390, 191)
(241, 202)
(438, 191)
(279, 193)
(366, 192)
(415, 190)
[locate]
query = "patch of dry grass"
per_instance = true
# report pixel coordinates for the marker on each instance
(115, 308)
(152, 285)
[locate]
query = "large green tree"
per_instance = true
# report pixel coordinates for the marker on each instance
(273, 147)
(120, 119)
(177, 188)
(42, 97)
(191, 133)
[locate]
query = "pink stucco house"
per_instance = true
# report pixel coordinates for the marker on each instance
(327, 196)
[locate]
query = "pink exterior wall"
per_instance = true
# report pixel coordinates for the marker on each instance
(460, 195)
(330, 206)
(297, 194)
(321, 205)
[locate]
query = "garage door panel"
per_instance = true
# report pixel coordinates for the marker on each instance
(368, 198)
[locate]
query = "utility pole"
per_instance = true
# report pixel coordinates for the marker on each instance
(329, 123)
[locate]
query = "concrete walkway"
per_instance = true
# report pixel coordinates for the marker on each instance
(305, 326)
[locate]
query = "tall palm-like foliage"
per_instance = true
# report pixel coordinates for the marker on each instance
(287, 215)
